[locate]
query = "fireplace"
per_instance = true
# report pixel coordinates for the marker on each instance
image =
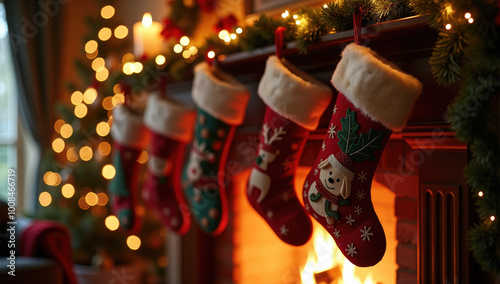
(419, 192)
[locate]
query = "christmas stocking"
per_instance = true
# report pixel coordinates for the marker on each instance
(295, 103)
(130, 138)
(374, 99)
(221, 102)
(171, 126)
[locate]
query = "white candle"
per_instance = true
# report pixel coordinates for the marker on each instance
(147, 37)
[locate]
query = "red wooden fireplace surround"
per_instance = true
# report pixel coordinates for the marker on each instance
(423, 164)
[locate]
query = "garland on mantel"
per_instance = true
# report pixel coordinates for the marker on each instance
(467, 51)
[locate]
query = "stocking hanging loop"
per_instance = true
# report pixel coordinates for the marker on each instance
(278, 40)
(356, 20)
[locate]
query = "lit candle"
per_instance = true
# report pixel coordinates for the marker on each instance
(147, 37)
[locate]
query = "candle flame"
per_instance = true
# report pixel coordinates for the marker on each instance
(147, 20)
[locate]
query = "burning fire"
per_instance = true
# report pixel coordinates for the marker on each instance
(327, 265)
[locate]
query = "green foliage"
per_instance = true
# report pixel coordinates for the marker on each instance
(338, 14)
(448, 57)
(186, 18)
(261, 33)
(310, 29)
(349, 133)
(367, 143)
(388, 10)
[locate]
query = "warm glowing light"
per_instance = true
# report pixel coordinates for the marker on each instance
(227, 39)
(86, 153)
(143, 158)
(178, 48)
(186, 54)
(128, 68)
(119, 99)
(57, 126)
(81, 110)
(285, 14)
(104, 148)
(102, 75)
(68, 190)
(133, 242)
(112, 223)
(102, 128)
(448, 9)
(480, 194)
(137, 67)
(83, 204)
(126, 58)
(107, 12)
(92, 55)
(52, 178)
(108, 171)
(105, 34)
(160, 59)
(471, 20)
(45, 199)
(193, 50)
(76, 97)
(108, 103)
(325, 6)
(467, 15)
(121, 32)
(297, 22)
(147, 20)
(239, 30)
(184, 40)
(211, 54)
(72, 155)
(223, 34)
(102, 199)
(91, 198)
(492, 218)
(295, 17)
(89, 96)
(91, 46)
(448, 26)
(98, 63)
(66, 131)
(233, 36)
(58, 145)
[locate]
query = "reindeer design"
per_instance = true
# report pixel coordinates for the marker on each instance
(259, 179)
(197, 155)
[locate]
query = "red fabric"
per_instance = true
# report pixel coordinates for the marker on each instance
(162, 191)
(52, 240)
(280, 207)
(356, 20)
(278, 40)
(367, 252)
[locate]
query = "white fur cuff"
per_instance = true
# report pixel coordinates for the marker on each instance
(219, 94)
(375, 86)
(293, 94)
(169, 118)
(127, 128)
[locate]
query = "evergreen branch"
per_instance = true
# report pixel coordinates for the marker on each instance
(337, 15)
(448, 56)
(388, 10)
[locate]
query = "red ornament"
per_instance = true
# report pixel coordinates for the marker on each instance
(171, 30)
(207, 6)
(226, 23)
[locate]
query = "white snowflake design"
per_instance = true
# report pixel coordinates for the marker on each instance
(284, 230)
(360, 195)
(306, 185)
(323, 146)
(336, 233)
(308, 208)
(334, 109)
(270, 214)
(362, 176)
(358, 210)
(365, 233)
(304, 194)
(287, 164)
(351, 249)
(316, 171)
(350, 220)
(332, 131)
(285, 196)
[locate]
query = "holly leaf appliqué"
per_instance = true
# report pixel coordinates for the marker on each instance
(348, 135)
(367, 143)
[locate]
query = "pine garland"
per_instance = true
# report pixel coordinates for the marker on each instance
(468, 51)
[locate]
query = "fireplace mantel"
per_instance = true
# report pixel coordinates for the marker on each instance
(408, 43)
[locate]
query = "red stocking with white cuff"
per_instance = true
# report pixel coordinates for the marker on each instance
(374, 99)
(295, 102)
(171, 125)
(130, 137)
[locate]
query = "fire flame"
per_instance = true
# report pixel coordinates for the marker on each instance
(325, 256)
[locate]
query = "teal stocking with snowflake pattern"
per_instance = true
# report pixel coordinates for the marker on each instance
(221, 103)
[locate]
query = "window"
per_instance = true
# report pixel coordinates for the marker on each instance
(8, 107)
